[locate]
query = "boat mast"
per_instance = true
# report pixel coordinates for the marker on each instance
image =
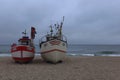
(60, 30)
(24, 32)
(51, 30)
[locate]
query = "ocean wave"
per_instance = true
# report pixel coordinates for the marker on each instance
(107, 53)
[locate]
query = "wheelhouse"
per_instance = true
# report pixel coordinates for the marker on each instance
(24, 41)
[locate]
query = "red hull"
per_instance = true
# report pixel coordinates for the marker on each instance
(23, 60)
(22, 53)
(22, 48)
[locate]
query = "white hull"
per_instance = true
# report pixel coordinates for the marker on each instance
(54, 56)
(53, 53)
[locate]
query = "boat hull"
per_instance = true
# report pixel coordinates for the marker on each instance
(53, 51)
(22, 54)
(54, 56)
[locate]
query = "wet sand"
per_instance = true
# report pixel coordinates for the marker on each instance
(73, 68)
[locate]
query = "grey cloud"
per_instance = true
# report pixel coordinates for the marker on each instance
(86, 21)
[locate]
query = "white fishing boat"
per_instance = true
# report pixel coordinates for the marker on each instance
(53, 46)
(24, 51)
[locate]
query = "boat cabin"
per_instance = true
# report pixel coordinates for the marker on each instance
(49, 37)
(24, 41)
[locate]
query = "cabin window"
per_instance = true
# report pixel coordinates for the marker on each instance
(24, 42)
(54, 37)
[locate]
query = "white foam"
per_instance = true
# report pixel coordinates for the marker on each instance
(5, 55)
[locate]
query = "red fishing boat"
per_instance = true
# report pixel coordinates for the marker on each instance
(24, 51)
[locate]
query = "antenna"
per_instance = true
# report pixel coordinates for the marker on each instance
(24, 32)
(62, 22)
(51, 30)
(63, 18)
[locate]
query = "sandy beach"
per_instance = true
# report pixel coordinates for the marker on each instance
(73, 68)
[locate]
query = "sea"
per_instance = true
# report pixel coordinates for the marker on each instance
(75, 50)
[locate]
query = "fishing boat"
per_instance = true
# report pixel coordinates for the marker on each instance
(53, 46)
(24, 51)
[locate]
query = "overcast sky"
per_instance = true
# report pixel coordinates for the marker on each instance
(86, 21)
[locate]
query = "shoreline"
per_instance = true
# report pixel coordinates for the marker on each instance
(73, 68)
(73, 54)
